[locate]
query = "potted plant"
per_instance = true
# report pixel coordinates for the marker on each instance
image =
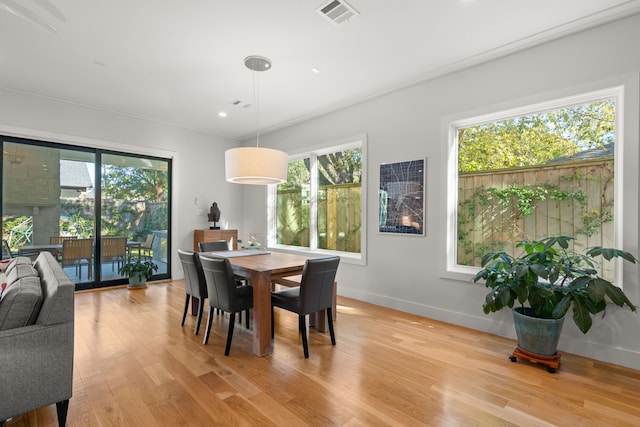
(138, 272)
(546, 280)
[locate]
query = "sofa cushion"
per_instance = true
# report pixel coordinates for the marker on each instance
(21, 260)
(21, 302)
(20, 271)
(4, 264)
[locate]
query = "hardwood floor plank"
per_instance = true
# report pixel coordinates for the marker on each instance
(136, 366)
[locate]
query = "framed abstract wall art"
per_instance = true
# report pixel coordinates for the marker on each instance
(401, 197)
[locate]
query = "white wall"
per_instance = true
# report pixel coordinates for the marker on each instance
(198, 158)
(407, 272)
(401, 272)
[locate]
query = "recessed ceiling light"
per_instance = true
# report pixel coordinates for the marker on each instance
(315, 70)
(222, 114)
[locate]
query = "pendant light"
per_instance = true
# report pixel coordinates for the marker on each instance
(256, 165)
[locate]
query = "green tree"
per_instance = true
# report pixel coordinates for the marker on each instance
(341, 167)
(128, 183)
(536, 138)
(298, 175)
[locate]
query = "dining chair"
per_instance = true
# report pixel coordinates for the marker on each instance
(315, 293)
(6, 250)
(194, 284)
(77, 252)
(146, 247)
(114, 250)
(57, 240)
(224, 294)
(219, 245)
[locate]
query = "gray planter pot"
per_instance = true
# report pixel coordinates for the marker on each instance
(535, 335)
(137, 280)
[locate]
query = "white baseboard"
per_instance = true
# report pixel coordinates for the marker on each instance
(498, 324)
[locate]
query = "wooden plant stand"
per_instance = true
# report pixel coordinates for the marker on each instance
(551, 362)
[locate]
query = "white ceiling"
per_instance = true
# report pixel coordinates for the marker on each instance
(182, 61)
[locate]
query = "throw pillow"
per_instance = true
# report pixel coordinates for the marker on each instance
(21, 260)
(2, 288)
(21, 303)
(20, 271)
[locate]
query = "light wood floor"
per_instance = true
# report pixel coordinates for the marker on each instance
(135, 366)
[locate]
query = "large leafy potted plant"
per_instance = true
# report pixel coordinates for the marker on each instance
(138, 272)
(546, 280)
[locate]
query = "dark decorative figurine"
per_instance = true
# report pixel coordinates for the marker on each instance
(214, 216)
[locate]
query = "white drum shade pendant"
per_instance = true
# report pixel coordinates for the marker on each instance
(256, 165)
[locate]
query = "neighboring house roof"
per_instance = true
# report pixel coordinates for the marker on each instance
(604, 152)
(74, 175)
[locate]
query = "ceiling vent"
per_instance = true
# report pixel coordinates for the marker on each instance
(239, 103)
(337, 11)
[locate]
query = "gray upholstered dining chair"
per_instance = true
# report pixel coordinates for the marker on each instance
(224, 294)
(219, 245)
(194, 284)
(315, 293)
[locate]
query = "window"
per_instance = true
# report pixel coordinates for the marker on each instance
(55, 192)
(320, 207)
(538, 171)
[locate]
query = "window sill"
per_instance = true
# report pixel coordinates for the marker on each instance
(461, 273)
(346, 257)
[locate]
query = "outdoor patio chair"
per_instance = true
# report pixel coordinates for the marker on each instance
(114, 250)
(78, 252)
(146, 250)
(6, 250)
(57, 240)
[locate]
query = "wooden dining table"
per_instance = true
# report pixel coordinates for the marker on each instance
(260, 267)
(36, 249)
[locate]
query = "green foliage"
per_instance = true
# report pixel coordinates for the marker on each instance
(337, 171)
(513, 203)
(298, 175)
(77, 225)
(550, 279)
(17, 230)
(537, 138)
(293, 216)
(592, 221)
(146, 268)
(135, 220)
(129, 183)
(342, 167)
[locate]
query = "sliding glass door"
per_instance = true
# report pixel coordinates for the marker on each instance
(94, 210)
(135, 211)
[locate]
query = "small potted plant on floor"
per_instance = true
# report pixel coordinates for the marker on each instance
(138, 273)
(546, 280)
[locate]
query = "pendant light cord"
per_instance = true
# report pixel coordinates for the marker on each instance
(255, 101)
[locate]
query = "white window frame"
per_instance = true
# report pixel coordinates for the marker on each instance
(463, 272)
(359, 141)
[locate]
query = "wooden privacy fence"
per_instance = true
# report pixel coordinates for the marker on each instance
(497, 209)
(339, 217)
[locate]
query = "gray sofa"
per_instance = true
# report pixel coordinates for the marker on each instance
(36, 337)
